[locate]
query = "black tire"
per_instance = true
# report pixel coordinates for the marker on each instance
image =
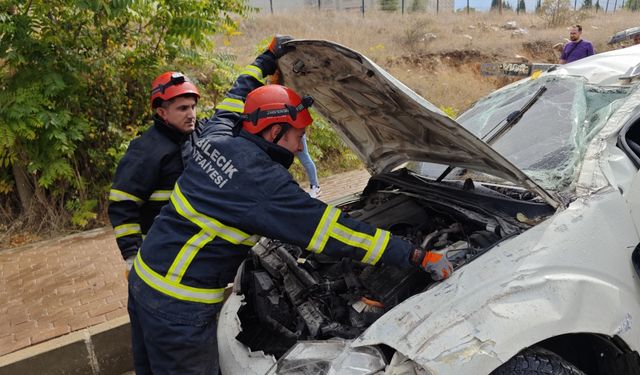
(537, 361)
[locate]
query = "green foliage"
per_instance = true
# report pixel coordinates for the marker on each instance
(587, 4)
(82, 212)
(633, 5)
(556, 12)
(74, 78)
(418, 6)
(6, 182)
(495, 4)
(389, 5)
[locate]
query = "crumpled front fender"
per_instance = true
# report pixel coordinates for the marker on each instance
(570, 274)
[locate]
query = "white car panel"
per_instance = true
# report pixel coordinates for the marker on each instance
(561, 276)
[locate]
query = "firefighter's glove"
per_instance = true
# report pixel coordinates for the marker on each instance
(435, 263)
(276, 45)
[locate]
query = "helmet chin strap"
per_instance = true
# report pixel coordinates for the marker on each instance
(285, 128)
(288, 110)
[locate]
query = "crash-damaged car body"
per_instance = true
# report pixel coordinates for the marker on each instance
(534, 196)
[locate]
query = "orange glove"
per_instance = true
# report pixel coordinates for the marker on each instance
(436, 264)
(276, 45)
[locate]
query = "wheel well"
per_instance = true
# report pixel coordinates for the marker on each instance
(595, 354)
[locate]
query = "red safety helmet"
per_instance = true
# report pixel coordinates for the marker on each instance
(168, 85)
(275, 104)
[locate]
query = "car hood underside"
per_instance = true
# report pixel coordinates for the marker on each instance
(382, 120)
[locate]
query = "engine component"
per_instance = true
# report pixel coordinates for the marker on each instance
(289, 298)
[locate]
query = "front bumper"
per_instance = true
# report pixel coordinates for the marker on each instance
(235, 358)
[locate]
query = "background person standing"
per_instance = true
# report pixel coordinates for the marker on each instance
(153, 162)
(577, 48)
(310, 168)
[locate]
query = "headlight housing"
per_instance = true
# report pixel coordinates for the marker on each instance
(329, 357)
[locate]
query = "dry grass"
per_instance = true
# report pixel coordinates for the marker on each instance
(444, 69)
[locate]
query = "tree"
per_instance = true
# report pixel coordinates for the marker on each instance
(521, 7)
(418, 6)
(633, 5)
(74, 79)
(495, 4)
(539, 6)
(556, 12)
(389, 5)
(598, 7)
(587, 4)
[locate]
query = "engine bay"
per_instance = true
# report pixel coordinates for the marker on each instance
(291, 294)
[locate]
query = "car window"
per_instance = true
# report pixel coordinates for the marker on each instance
(548, 142)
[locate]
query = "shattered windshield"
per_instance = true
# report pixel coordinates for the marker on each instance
(550, 139)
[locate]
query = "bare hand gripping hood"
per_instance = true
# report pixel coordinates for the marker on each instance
(382, 120)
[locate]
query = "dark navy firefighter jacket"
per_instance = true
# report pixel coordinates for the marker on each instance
(144, 180)
(234, 189)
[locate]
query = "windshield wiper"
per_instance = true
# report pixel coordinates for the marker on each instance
(511, 120)
(513, 117)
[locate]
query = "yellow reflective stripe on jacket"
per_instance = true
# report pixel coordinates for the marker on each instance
(322, 234)
(119, 196)
(186, 255)
(329, 227)
(174, 289)
(254, 72)
(127, 229)
(209, 224)
(231, 105)
(160, 195)
(210, 229)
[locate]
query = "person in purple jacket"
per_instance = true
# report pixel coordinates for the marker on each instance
(577, 48)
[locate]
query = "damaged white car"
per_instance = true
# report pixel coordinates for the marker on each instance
(534, 196)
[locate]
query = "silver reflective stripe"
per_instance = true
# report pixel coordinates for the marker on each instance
(160, 195)
(252, 240)
(231, 105)
(374, 253)
(120, 196)
(321, 235)
(186, 255)
(351, 237)
(174, 289)
(127, 229)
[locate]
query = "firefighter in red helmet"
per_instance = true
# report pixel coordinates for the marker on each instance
(236, 188)
(153, 162)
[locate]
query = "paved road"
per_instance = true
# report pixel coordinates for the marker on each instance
(54, 287)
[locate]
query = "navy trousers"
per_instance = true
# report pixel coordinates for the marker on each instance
(170, 336)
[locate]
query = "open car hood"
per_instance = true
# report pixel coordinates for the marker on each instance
(385, 122)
